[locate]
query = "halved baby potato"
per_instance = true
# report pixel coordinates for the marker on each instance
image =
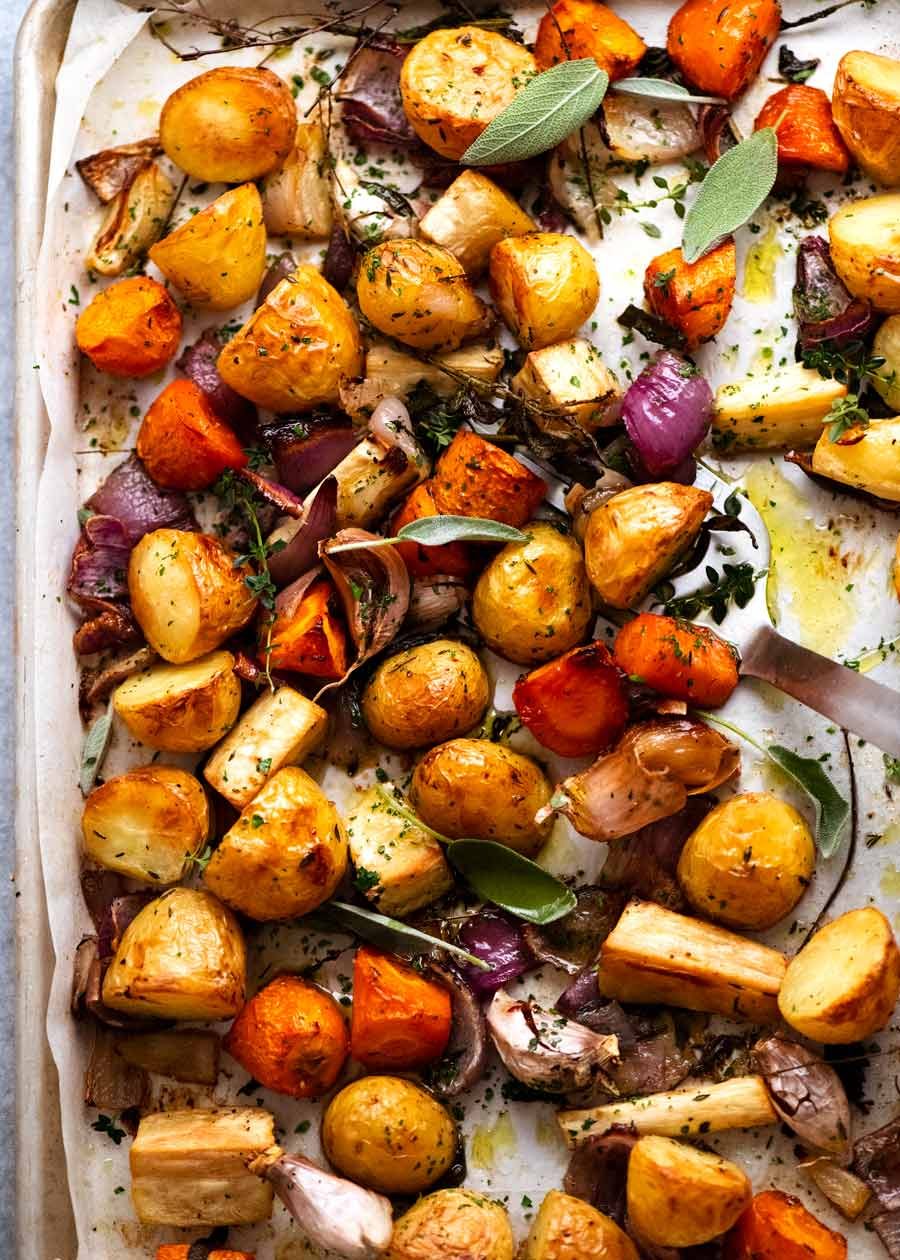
(865, 105)
(545, 286)
(681, 1197)
(181, 708)
(567, 1228)
(471, 217)
(865, 249)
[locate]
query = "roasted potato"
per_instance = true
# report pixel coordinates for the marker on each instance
(749, 862)
(471, 217)
(474, 788)
(773, 410)
(133, 221)
(295, 349)
(420, 294)
(370, 479)
(633, 539)
(844, 983)
(865, 104)
(454, 1224)
(218, 257)
(886, 379)
(181, 957)
(230, 124)
(545, 286)
(585, 28)
(681, 1197)
(181, 708)
(388, 1134)
(567, 1228)
(146, 823)
(532, 601)
(570, 377)
(285, 855)
(425, 695)
(297, 197)
(865, 249)
(399, 866)
(454, 82)
(776, 1226)
(869, 462)
(187, 593)
(130, 329)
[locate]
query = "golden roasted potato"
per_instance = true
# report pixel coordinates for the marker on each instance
(230, 124)
(844, 984)
(865, 249)
(420, 294)
(181, 708)
(426, 694)
(773, 410)
(454, 82)
(749, 862)
(388, 1134)
(570, 377)
(471, 217)
(567, 1228)
(870, 463)
(295, 349)
(186, 593)
(146, 823)
(681, 1197)
(181, 957)
(285, 855)
(886, 379)
(865, 105)
(370, 480)
(533, 602)
(545, 286)
(408, 865)
(895, 568)
(297, 197)
(633, 539)
(133, 221)
(218, 257)
(453, 1225)
(471, 788)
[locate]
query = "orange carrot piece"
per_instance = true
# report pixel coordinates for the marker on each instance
(181, 1251)
(309, 638)
(776, 1226)
(576, 705)
(452, 559)
(677, 659)
(130, 329)
(694, 297)
(585, 28)
(475, 478)
(719, 45)
(183, 443)
(400, 1020)
(806, 131)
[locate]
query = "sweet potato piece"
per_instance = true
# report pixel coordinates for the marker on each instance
(475, 478)
(400, 1020)
(720, 47)
(584, 28)
(695, 297)
(310, 637)
(576, 705)
(183, 443)
(677, 659)
(806, 131)
(291, 1037)
(130, 329)
(181, 1251)
(452, 559)
(776, 1226)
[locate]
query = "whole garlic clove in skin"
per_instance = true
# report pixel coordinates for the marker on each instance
(545, 1050)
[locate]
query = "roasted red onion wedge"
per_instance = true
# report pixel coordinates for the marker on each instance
(302, 537)
(130, 494)
(667, 411)
(111, 1083)
(825, 309)
(598, 1171)
(465, 1058)
(547, 1051)
(306, 449)
(498, 939)
(371, 106)
(199, 363)
(806, 1093)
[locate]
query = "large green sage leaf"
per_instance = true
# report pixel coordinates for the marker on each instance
(832, 810)
(96, 743)
(511, 881)
(733, 190)
(664, 90)
(434, 531)
(392, 934)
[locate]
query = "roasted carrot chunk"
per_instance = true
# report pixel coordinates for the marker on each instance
(777, 1226)
(452, 559)
(584, 28)
(183, 443)
(694, 297)
(181, 1251)
(308, 634)
(400, 1019)
(475, 478)
(719, 47)
(130, 329)
(677, 659)
(291, 1037)
(575, 705)
(807, 135)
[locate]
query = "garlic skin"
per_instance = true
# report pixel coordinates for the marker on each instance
(545, 1050)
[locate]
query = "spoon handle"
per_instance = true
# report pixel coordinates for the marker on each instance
(863, 706)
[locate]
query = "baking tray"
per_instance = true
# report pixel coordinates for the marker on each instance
(44, 1225)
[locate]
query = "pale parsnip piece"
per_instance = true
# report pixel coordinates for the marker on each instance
(189, 1168)
(133, 221)
(681, 1197)
(409, 864)
(865, 104)
(872, 463)
(369, 481)
(425, 695)
(453, 1225)
(471, 217)
(146, 823)
(399, 373)
(570, 377)
(567, 1228)
(773, 410)
(181, 708)
(844, 984)
(886, 379)
(297, 197)
(865, 249)
(185, 1054)
(545, 286)
(281, 728)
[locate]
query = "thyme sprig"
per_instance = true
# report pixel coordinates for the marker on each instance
(845, 413)
(735, 584)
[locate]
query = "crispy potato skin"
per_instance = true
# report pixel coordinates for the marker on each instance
(532, 602)
(230, 124)
(130, 329)
(291, 1037)
(450, 559)
(749, 862)
(719, 49)
(285, 855)
(576, 704)
(471, 217)
(388, 1134)
(866, 108)
(865, 249)
(681, 1197)
(776, 1226)
(474, 477)
(218, 257)
(545, 286)
(567, 1228)
(186, 593)
(694, 297)
(401, 1020)
(870, 463)
(181, 708)
(181, 957)
(471, 787)
(425, 695)
(183, 443)
(409, 863)
(678, 659)
(419, 293)
(844, 984)
(807, 135)
(454, 82)
(584, 28)
(453, 1225)
(295, 349)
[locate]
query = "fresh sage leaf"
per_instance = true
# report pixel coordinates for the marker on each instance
(733, 190)
(434, 531)
(664, 90)
(548, 108)
(513, 882)
(391, 934)
(832, 810)
(96, 743)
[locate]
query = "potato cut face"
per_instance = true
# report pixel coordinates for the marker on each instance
(784, 409)
(181, 708)
(570, 376)
(402, 867)
(679, 1196)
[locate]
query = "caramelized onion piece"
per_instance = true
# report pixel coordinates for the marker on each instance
(302, 537)
(463, 1062)
(547, 1051)
(432, 601)
(112, 171)
(111, 1083)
